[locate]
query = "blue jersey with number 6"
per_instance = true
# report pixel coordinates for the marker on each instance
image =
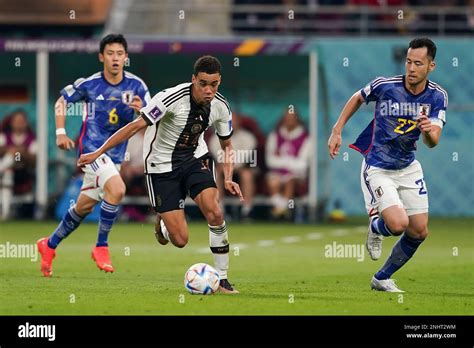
(105, 109)
(389, 141)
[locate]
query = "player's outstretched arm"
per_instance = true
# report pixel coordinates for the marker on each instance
(62, 140)
(335, 140)
(230, 185)
(120, 136)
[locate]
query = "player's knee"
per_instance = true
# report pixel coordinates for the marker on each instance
(83, 210)
(118, 191)
(420, 233)
(397, 226)
(215, 217)
(180, 241)
(423, 234)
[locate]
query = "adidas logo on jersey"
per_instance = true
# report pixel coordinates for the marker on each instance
(100, 97)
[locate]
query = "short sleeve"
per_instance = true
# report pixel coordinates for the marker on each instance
(75, 92)
(223, 121)
(154, 110)
(438, 114)
(144, 94)
(371, 91)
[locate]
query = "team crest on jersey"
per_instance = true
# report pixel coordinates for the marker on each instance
(127, 97)
(378, 192)
(423, 110)
(196, 128)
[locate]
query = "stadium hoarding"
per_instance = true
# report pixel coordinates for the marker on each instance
(240, 47)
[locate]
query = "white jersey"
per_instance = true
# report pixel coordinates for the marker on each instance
(176, 127)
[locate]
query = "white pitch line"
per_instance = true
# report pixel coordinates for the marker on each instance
(265, 243)
(291, 239)
(203, 250)
(238, 245)
(314, 236)
(339, 232)
(361, 229)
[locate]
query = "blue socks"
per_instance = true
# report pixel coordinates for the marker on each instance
(108, 214)
(402, 251)
(68, 224)
(378, 226)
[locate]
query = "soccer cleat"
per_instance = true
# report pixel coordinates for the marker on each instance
(158, 234)
(387, 285)
(101, 257)
(373, 243)
(47, 256)
(226, 288)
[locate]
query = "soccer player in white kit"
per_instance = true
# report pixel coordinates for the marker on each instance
(177, 162)
(392, 181)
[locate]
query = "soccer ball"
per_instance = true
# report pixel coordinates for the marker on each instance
(201, 279)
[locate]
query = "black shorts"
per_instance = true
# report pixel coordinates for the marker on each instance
(167, 191)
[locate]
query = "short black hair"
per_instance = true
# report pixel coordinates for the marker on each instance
(113, 38)
(424, 42)
(207, 64)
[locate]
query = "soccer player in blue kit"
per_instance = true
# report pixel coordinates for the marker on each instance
(115, 97)
(392, 181)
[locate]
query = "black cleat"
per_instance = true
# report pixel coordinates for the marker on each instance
(226, 288)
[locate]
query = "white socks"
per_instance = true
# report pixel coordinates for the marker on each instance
(220, 248)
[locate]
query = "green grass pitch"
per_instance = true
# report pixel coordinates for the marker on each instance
(280, 269)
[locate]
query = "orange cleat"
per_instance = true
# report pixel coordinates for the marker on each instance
(101, 257)
(47, 256)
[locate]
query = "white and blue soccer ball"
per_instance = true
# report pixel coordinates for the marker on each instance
(201, 279)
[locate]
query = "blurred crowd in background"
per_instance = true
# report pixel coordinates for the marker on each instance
(278, 176)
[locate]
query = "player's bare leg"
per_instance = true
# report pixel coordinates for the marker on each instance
(248, 189)
(393, 222)
(114, 189)
(208, 202)
(396, 219)
(71, 220)
(418, 226)
(176, 227)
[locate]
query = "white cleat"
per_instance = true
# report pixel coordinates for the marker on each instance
(374, 243)
(387, 285)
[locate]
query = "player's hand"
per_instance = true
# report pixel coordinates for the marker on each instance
(334, 144)
(87, 158)
(136, 103)
(233, 188)
(424, 124)
(64, 142)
